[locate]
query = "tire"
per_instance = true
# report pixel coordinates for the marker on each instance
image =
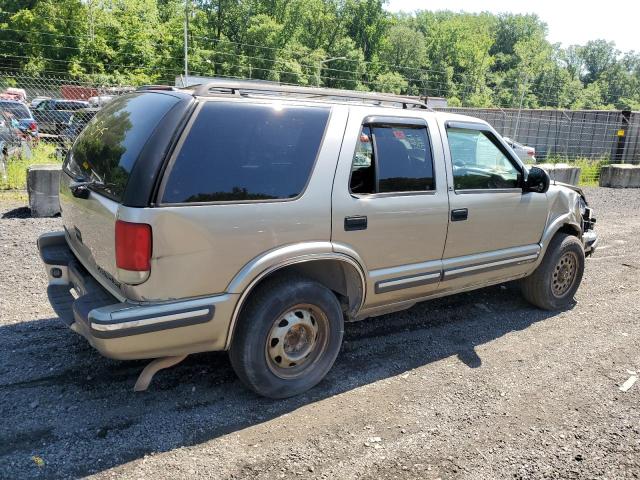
(288, 336)
(554, 283)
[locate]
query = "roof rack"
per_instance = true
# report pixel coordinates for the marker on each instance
(245, 88)
(143, 88)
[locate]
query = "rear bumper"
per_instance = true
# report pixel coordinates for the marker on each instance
(126, 330)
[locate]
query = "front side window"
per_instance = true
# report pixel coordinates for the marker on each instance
(239, 152)
(392, 158)
(478, 163)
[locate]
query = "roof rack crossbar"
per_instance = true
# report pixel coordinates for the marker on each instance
(236, 87)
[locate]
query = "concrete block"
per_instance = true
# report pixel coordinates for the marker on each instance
(620, 175)
(42, 186)
(562, 172)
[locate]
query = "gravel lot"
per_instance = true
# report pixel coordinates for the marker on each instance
(475, 386)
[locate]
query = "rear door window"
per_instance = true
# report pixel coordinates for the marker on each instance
(107, 149)
(392, 159)
(240, 152)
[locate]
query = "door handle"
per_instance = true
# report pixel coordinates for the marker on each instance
(459, 214)
(358, 222)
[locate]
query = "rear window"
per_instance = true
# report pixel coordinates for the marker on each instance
(237, 152)
(17, 110)
(109, 146)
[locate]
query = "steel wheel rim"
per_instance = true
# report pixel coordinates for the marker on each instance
(564, 274)
(296, 340)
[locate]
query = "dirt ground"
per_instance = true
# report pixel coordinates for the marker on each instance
(474, 386)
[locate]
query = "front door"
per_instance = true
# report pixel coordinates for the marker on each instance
(390, 203)
(494, 227)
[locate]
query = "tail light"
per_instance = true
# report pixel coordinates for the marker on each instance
(531, 153)
(33, 126)
(133, 251)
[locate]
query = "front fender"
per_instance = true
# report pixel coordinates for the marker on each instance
(564, 211)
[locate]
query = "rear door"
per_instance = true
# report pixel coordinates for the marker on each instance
(390, 203)
(106, 153)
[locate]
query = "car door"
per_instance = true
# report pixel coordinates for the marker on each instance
(494, 227)
(390, 203)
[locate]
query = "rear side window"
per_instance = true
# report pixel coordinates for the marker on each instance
(392, 158)
(107, 149)
(236, 152)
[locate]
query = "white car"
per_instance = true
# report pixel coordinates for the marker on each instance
(526, 154)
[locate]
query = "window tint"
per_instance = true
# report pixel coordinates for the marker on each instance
(392, 159)
(108, 147)
(478, 163)
(246, 152)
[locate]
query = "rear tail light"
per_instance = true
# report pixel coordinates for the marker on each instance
(531, 153)
(33, 126)
(133, 251)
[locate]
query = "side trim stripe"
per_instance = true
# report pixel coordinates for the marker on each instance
(407, 282)
(410, 281)
(482, 267)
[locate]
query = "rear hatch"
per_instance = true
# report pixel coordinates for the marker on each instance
(106, 157)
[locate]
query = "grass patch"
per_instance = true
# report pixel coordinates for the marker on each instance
(589, 167)
(14, 174)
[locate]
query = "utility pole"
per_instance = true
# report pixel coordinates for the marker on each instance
(524, 90)
(186, 41)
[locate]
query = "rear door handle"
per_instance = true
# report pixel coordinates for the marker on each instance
(459, 214)
(355, 223)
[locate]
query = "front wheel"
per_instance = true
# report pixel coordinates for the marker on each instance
(288, 337)
(554, 283)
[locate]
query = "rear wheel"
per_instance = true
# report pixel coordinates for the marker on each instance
(288, 337)
(554, 283)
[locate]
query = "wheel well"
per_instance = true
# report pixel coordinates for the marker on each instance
(569, 230)
(341, 277)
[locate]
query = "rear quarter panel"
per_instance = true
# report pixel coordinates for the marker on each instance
(199, 249)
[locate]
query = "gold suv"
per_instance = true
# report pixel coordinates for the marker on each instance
(258, 218)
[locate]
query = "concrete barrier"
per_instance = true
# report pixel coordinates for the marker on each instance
(42, 186)
(620, 175)
(562, 172)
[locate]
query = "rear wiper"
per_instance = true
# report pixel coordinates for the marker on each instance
(80, 187)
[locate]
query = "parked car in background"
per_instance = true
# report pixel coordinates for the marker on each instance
(38, 100)
(23, 116)
(11, 138)
(100, 100)
(53, 115)
(526, 154)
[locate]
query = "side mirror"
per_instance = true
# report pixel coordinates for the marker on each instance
(537, 181)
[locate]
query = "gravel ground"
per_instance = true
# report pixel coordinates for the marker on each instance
(474, 386)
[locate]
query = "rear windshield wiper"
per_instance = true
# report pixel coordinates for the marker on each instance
(80, 187)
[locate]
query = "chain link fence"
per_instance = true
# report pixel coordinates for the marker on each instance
(54, 109)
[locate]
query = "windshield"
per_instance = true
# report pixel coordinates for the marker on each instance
(16, 109)
(109, 146)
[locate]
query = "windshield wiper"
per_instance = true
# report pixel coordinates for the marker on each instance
(80, 187)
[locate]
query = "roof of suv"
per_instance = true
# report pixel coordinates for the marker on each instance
(270, 91)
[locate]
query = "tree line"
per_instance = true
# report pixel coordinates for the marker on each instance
(480, 60)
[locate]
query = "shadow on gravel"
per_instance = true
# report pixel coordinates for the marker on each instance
(63, 402)
(20, 212)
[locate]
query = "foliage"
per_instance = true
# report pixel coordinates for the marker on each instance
(16, 167)
(480, 60)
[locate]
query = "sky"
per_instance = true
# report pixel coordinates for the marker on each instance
(569, 21)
